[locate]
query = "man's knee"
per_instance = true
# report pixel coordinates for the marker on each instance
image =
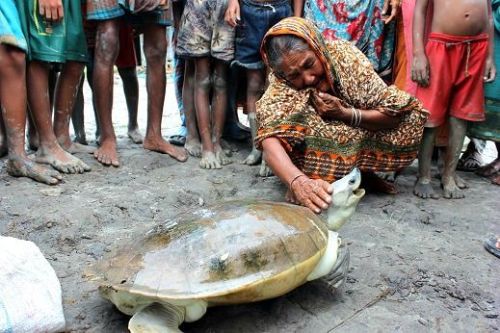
(203, 81)
(156, 52)
(107, 42)
(255, 88)
(12, 59)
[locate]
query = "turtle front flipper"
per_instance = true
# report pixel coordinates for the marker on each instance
(157, 318)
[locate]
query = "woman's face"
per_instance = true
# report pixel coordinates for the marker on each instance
(303, 69)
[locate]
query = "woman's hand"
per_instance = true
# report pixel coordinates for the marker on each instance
(314, 194)
(328, 106)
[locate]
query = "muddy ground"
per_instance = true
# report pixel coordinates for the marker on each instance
(416, 265)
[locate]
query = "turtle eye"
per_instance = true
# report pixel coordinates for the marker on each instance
(352, 181)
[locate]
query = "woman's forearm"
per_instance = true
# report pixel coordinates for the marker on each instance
(372, 120)
(279, 161)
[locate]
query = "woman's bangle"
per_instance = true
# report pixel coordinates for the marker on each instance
(294, 179)
(355, 117)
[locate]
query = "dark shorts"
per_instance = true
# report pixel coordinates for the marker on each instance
(53, 42)
(103, 10)
(256, 18)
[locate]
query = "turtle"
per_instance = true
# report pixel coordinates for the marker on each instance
(233, 252)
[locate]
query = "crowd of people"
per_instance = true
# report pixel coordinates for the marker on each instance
(328, 85)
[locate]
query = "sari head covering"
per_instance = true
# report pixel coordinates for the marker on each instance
(330, 149)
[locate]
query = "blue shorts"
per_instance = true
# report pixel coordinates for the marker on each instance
(11, 32)
(256, 18)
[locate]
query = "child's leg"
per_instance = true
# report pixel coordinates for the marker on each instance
(255, 89)
(423, 188)
(131, 91)
(14, 101)
(202, 104)
(77, 116)
(106, 51)
(458, 129)
(155, 49)
(49, 152)
(193, 145)
(65, 96)
(219, 105)
(3, 139)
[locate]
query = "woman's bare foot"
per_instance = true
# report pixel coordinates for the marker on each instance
(451, 189)
(60, 160)
(135, 135)
(489, 169)
(209, 161)
(161, 146)
(24, 167)
(461, 183)
(193, 146)
(106, 154)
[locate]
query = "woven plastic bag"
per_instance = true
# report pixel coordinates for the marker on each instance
(30, 293)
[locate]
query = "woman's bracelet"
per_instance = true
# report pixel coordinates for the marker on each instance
(294, 179)
(355, 117)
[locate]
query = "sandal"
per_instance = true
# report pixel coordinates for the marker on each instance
(178, 140)
(491, 246)
(469, 162)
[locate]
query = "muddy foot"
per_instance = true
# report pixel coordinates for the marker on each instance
(135, 136)
(76, 147)
(253, 158)
(27, 168)
(60, 160)
(107, 154)
(159, 145)
(193, 147)
(222, 155)
(209, 161)
(424, 190)
(451, 190)
(265, 171)
(461, 183)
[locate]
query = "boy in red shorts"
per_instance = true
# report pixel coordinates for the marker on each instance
(450, 71)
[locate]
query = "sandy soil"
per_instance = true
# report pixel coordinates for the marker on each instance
(416, 265)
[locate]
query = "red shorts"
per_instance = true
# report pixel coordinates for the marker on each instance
(126, 56)
(456, 78)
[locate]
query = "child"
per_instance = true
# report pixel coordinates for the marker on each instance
(206, 39)
(252, 19)
(54, 36)
(153, 23)
(13, 98)
(450, 72)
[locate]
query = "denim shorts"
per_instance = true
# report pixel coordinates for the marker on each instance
(257, 17)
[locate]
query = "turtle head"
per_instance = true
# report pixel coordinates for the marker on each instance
(346, 196)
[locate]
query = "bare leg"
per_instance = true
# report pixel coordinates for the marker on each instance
(14, 101)
(131, 91)
(49, 152)
(255, 89)
(155, 49)
(3, 138)
(202, 104)
(458, 128)
(65, 96)
(219, 105)
(78, 117)
(423, 188)
(193, 144)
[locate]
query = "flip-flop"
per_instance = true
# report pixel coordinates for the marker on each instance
(491, 247)
(178, 140)
(470, 162)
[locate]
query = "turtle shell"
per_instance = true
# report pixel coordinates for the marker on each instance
(225, 253)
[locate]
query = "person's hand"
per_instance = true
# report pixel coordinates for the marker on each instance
(232, 15)
(51, 10)
(390, 10)
(314, 194)
(490, 70)
(328, 106)
(420, 70)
